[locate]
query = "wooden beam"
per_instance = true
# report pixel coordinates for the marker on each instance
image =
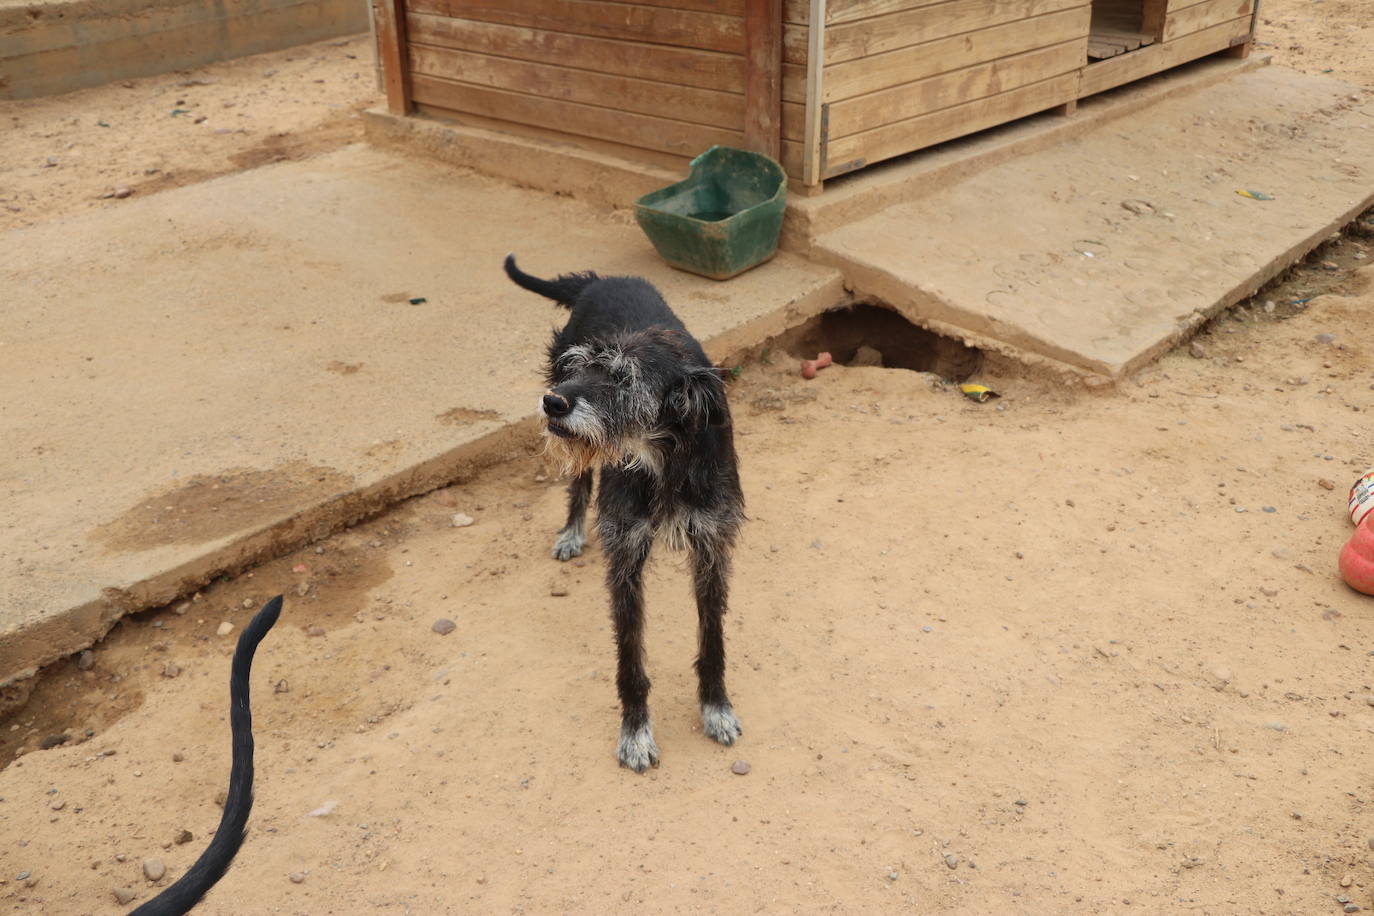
(1152, 15)
(813, 148)
(763, 76)
(391, 48)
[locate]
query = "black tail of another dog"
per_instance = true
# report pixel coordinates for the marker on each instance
(214, 861)
(564, 289)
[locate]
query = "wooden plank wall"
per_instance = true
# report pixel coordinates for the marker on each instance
(666, 76)
(1190, 29)
(904, 74)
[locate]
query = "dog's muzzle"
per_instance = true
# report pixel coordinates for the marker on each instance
(555, 407)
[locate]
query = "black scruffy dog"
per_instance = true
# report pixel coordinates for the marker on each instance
(187, 890)
(632, 391)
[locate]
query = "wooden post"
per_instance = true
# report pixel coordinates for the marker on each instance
(763, 77)
(1152, 13)
(813, 156)
(390, 16)
(1242, 49)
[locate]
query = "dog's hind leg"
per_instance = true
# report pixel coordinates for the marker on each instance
(710, 576)
(573, 537)
(626, 545)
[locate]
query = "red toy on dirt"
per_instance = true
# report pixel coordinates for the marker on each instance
(1357, 558)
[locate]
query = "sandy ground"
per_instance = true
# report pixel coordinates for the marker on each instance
(1058, 652)
(64, 154)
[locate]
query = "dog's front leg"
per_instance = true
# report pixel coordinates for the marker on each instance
(710, 576)
(573, 537)
(626, 547)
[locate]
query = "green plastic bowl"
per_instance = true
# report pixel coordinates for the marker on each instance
(723, 219)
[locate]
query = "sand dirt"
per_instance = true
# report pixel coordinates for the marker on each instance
(1061, 652)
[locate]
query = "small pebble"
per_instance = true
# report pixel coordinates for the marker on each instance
(1352, 907)
(86, 660)
(460, 520)
(1326, 484)
(952, 860)
(281, 686)
(1270, 509)
(296, 877)
(1279, 727)
(57, 804)
(53, 741)
(1195, 350)
(1347, 879)
(314, 630)
(122, 192)
(740, 768)
(153, 869)
(1268, 592)
(123, 895)
(443, 626)
(171, 669)
(558, 590)
(247, 603)
(224, 629)
(892, 876)
(183, 836)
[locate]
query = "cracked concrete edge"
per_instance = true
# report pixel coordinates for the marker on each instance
(35, 643)
(38, 642)
(1275, 267)
(867, 282)
(929, 310)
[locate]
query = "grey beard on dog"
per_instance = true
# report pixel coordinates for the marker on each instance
(632, 393)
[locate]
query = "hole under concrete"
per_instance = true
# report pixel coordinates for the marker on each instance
(872, 334)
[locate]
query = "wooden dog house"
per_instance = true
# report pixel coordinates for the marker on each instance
(825, 86)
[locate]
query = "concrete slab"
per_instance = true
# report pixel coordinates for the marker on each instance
(1102, 252)
(53, 46)
(200, 378)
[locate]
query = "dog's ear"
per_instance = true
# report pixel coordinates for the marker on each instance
(700, 397)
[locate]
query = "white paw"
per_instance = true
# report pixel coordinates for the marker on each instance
(637, 750)
(569, 544)
(720, 724)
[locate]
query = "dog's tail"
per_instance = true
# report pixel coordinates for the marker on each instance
(214, 861)
(564, 289)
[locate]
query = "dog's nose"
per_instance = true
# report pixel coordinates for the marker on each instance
(555, 405)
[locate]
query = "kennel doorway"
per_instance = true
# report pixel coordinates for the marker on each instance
(1121, 26)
